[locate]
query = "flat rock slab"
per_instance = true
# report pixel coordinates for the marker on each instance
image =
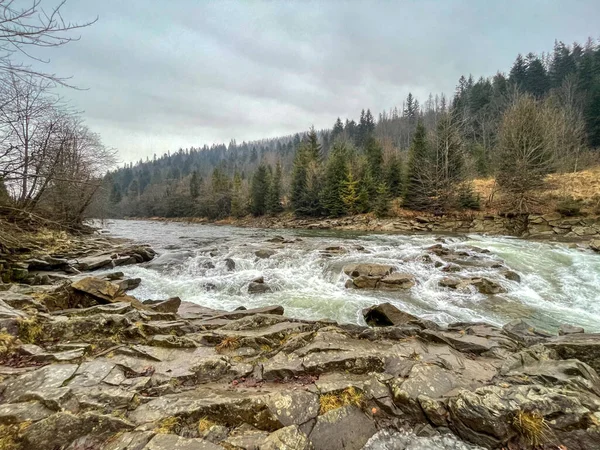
(345, 428)
(174, 442)
(48, 377)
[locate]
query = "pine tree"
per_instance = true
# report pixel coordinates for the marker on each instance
(335, 176)
(115, 193)
(314, 147)
(238, 205)
(536, 81)
(338, 130)
(349, 192)
(299, 180)
(195, 185)
(374, 153)
(518, 72)
(418, 188)
(393, 176)
(260, 191)
(274, 201)
(382, 200)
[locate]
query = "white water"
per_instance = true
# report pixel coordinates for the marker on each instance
(559, 284)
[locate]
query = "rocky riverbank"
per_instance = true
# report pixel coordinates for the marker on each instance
(85, 365)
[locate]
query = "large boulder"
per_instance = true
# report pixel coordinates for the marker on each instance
(347, 427)
(264, 253)
(395, 281)
(386, 314)
(368, 270)
(524, 333)
(103, 291)
(595, 245)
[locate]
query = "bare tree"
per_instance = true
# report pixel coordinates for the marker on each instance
(23, 28)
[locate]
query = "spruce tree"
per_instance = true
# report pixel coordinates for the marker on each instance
(349, 192)
(274, 201)
(115, 193)
(238, 205)
(299, 180)
(393, 176)
(314, 148)
(335, 176)
(382, 200)
(195, 184)
(260, 191)
(374, 153)
(418, 189)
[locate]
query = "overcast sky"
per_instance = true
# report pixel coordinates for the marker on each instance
(170, 74)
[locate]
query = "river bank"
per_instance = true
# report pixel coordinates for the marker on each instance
(85, 364)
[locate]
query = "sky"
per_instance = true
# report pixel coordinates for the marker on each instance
(160, 76)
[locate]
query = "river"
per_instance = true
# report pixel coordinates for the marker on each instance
(559, 284)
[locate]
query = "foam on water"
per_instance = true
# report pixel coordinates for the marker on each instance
(559, 284)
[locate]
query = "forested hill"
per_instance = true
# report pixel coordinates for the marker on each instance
(540, 117)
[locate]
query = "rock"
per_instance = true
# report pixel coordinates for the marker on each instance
(396, 281)
(264, 253)
(290, 438)
(94, 262)
(451, 282)
(258, 288)
(230, 264)
(7, 312)
(131, 440)
(174, 442)
(345, 428)
(170, 259)
(595, 245)
(512, 275)
(114, 276)
(45, 378)
(368, 270)
(170, 305)
(386, 314)
(62, 429)
(486, 286)
(582, 346)
(129, 284)
(293, 407)
(46, 263)
(23, 412)
(522, 332)
(565, 329)
(451, 268)
(98, 288)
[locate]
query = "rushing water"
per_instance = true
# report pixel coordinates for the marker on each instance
(559, 284)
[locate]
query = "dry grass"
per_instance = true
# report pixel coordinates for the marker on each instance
(204, 425)
(349, 396)
(228, 344)
(532, 427)
(30, 330)
(8, 343)
(10, 435)
(168, 425)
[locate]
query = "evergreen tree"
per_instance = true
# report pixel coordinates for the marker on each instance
(367, 191)
(274, 201)
(393, 176)
(260, 191)
(518, 72)
(338, 130)
(195, 185)
(115, 193)
(349, 192)
(335, 177)
(418, 188)
(299, 181)
(238, 204)
(382, 200)
(536, 81)
(314, 148)
(374, 153)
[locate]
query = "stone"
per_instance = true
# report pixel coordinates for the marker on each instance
(595, 245)
(7, 312)
(48, 377)
(368, 270)
(258, 288)
(344, 428)
(23, 412)
(451, 268)
(522, 332)
(130, 440)
(114, 276)
(287, 438)
(21, 301)
(170, 305)
(293, 407)
(174, 442)
(396, 281)
(582, 346)
(230, 264)
(98, 288)
(61, 429)
(512, 275)
(129, 284)
(170, 259)
(488, 287)
(451, 282)
(264, 253)
(565, 329)
(386, 314)
(94, 262)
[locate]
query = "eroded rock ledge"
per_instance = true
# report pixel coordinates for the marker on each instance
(84, 365)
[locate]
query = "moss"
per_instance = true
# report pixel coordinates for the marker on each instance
(532, 427)
(204, 425)
(168, 425)
(11, 435)
(229, 343)
(266, 348)
(349, 396)
(31, 330)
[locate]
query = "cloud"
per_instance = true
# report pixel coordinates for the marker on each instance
(165, 75)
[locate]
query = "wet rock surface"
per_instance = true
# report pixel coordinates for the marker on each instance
(110, 372)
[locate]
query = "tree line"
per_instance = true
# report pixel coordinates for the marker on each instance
(542, 116)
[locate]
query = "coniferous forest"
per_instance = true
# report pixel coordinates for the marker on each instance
(540, 117)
